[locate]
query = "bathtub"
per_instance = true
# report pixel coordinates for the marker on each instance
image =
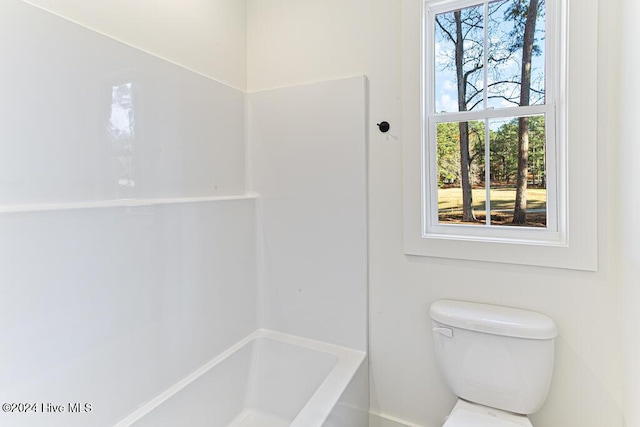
(268, 379)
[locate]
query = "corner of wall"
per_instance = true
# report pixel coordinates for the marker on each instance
(208, 37)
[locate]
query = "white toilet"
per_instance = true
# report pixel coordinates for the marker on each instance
(497, 360)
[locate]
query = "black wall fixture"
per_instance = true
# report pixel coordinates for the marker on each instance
(384, 126)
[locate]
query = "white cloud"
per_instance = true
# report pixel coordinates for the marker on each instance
(443, 54)
(449, 85)
(446, 103)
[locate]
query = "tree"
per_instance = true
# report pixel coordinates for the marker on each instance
(448, 150)
(530, 14)
(491, 58)
(504, 153)
(464, 30)
(537, 150)
(504, 150)
(460, 27)
(448, 153)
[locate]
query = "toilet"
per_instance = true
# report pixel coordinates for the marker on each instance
(497, 360)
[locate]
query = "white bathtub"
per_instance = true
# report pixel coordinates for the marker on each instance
(268, 379)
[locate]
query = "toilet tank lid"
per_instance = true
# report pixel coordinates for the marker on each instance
(493, 319)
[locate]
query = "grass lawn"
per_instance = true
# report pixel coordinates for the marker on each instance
(450, 199)
(502, 204)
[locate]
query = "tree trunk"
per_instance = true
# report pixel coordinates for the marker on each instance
(467, 196)
(465, 163)
(520, 210)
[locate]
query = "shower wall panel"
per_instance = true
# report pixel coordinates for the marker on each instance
(308, 164)
(85, 117)
(127, 249)
(110, 306)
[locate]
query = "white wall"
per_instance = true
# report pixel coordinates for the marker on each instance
(124, 263)
(308, 165)
(292, 42)
(207, 36)
(111, 306)
(627, 206)
(89, 118)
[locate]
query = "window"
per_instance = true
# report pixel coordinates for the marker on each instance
(489, 110)
(499, 139)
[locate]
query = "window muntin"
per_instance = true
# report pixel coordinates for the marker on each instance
(474, 69)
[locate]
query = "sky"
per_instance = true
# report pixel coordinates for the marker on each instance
(446, 98)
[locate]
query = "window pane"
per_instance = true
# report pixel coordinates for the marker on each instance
(457, 182)
(504, 136)
(458, 72)
(509, 49)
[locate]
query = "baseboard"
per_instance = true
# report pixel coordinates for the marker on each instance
(382, 420)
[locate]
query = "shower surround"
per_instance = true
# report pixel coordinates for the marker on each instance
(153, 217)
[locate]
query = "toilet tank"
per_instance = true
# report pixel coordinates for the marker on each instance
(495, 356)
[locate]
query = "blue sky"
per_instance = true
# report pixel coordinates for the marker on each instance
(446, 98)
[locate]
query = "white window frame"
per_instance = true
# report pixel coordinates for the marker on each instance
(554, 232)
(570, 239)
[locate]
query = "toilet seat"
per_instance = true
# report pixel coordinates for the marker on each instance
(467, 414)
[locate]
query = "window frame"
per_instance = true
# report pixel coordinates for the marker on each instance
(554, 233)
(575, 112)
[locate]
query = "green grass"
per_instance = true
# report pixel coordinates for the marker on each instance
(450, 199)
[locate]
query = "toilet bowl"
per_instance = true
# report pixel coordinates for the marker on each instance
(467, 414)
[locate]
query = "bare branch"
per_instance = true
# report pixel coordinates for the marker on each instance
(477, 67)
(453, 39)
